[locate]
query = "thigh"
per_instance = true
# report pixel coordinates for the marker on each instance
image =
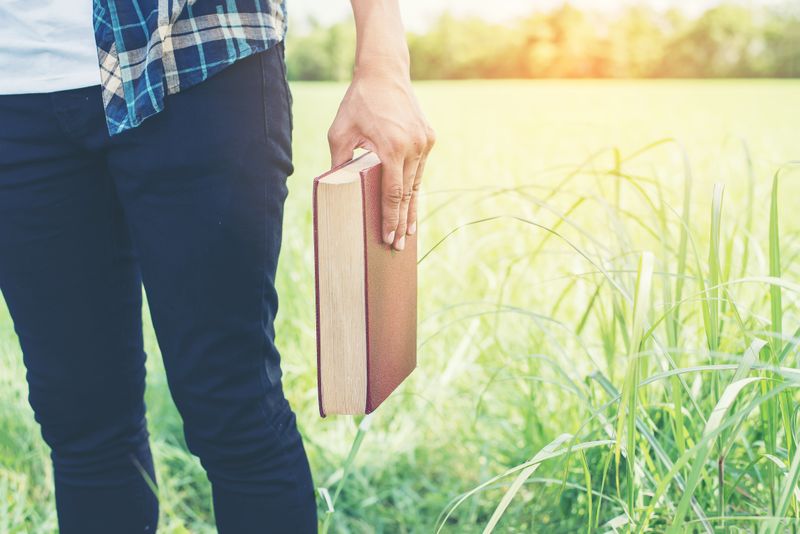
(69, 279)
(203, 184)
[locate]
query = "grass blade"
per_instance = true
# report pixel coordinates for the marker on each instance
(521, 478)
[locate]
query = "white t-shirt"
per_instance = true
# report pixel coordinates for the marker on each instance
(47, 45)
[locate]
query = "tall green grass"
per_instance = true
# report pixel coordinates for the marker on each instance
(680, 448)
(653, 490)
(604, 346)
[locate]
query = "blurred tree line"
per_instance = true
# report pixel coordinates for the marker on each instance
(728, 40)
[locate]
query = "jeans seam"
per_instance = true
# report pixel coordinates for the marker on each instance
(264, 110)
(286, 90)
(264, 352)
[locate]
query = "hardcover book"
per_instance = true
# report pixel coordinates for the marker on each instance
(365, 292)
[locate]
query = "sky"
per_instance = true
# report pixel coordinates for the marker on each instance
(418, 14)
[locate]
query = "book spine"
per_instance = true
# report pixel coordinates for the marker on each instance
(314, 225)
(368, 407)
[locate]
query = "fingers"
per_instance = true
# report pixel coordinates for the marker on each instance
(402, 176)
(392, 196)
(411, 227)
(410, 166)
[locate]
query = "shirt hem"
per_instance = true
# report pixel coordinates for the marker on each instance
(50, 85)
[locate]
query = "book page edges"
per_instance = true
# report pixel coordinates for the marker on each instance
(350, 171)
(341, 381)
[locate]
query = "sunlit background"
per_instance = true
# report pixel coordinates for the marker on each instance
(419, 15)
(541, 39)
(608, 286)
(589, 155)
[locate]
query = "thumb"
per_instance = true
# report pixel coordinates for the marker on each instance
(341, 149)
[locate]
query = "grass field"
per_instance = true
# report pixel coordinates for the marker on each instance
(608, 330)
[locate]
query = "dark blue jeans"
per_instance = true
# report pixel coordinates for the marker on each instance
(189, 204)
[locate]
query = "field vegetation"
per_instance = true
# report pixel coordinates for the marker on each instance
(608, 324)
(729, 40)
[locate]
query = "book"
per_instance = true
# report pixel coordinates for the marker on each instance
(365, 292)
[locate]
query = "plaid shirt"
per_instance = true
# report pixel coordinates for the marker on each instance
(151, 48)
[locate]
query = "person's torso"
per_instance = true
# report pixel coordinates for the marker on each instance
(47, 45)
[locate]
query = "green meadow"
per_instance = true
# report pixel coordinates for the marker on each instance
(608, 324)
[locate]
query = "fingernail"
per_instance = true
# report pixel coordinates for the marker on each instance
(389, 238)
(401, 242)
(412, 228)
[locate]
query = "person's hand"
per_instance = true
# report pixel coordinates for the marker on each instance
(380, 113)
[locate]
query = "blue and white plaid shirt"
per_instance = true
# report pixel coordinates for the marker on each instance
(151, 48)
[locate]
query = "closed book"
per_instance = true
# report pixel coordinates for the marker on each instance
(365, 292)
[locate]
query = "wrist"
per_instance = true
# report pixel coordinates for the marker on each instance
(383, 65)
(381, 47)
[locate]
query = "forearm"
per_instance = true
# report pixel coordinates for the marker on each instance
(380, 113)
(380, 38)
